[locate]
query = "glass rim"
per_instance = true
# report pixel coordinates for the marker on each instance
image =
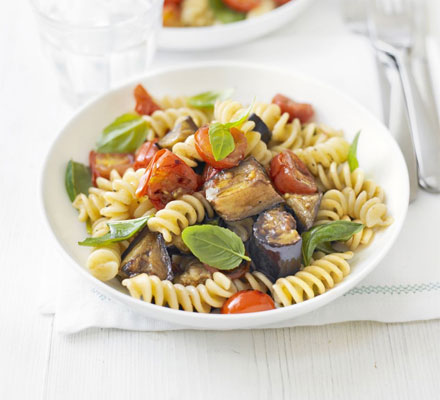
(78, 26)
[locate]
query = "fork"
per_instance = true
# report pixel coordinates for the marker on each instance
(355, 14)
(391, 26)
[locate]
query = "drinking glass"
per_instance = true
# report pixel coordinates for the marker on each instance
(96, 44)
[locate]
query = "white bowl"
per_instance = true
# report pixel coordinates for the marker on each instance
(378, 154)
(222, 35)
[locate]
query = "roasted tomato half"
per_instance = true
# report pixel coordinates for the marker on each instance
(281, 2)
(203, 147)
(242, 5)
(145, 154)
(248, 301)
(302, 111)
(166, 178)
(145, 104)
(102, 164)
(290, 175)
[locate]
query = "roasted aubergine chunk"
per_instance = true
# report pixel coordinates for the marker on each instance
(304, 208)
(148, 254)
(261, 128)
(186, 127)
(242, 191)
(194, 273)
(275, 246)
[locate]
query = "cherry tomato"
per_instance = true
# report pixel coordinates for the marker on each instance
(242, 5)
(235, 273)
(209, 172)
(290, 175)
(248, 301)
(171, 13)
(203, 147)
(145, 104)
(167, 177)
(144, 154)
(281, 2)
(102, 164)
(302, 111)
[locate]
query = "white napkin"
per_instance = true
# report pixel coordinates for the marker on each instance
(404, 287)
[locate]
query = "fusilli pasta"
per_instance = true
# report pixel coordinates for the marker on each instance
(312, 280)
(164, 293)
(161, 121)
(187, 151)
(335, 149)
(103, 262)
(178, 214)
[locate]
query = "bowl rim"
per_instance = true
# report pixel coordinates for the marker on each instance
(258, 318)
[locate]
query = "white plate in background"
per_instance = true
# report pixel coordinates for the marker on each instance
(222, 35)
(378, 153)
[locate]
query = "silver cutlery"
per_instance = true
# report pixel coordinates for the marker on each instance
(392, 28)
(393, 109)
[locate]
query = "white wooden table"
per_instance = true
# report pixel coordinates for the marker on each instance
(345, 361)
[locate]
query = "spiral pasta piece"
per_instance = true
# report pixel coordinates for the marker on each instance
(296, 136)
(340, 177)
(335, 149)
(178, 214)
(230, 110)
(119, 201)
(335, 204)
(187, 152)
(315, 279)
(89, 206)
(172, 102)
(161, 121)
(257, 148)
(104, 262)
(255, 280)
(164, 293)
(270, 113)
(362, 238)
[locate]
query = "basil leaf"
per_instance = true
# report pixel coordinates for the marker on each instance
(352, 158)
(221, 140)
(208, 99)
(225, 14)
(119, 231)
(215, 246)
(336, 230)
(220, 137)
(124, 135)
(77, 180)
(325, 247)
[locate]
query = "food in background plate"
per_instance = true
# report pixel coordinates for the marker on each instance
(181, 13)
(200, 203)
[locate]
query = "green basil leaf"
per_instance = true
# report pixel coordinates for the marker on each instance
(124, 135)
(215, 246)
(352, 157)
(77, 180)
(208, 99)
(336, 230)
(325, 247)
(221, 140)
(225, 14)
(220, 137)
(119, 231)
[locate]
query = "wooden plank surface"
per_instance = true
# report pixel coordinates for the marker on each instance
(347, 361)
